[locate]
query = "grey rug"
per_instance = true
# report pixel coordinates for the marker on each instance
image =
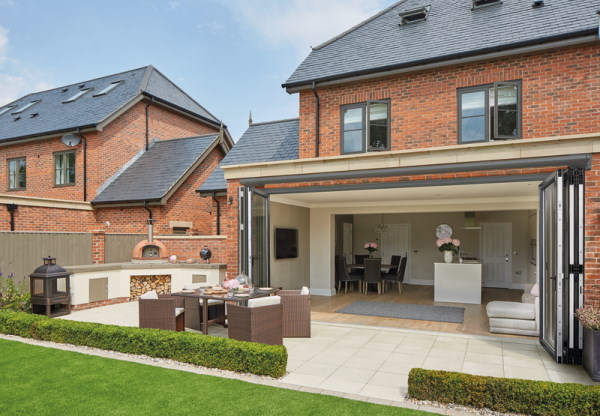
(406, 311)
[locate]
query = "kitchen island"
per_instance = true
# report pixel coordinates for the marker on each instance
(457, 282)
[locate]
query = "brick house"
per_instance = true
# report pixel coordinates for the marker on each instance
(482, 115)
(95, 156)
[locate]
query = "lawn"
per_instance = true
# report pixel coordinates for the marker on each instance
(46, 381)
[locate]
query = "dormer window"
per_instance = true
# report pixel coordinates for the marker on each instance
(26, 106)
(415, 15)
(78, 95)
(109, 88)
(482, 3)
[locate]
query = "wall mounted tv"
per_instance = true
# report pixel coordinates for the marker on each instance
(286, 243)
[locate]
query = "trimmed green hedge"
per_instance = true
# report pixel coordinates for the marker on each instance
(186, 347)
(537, 398)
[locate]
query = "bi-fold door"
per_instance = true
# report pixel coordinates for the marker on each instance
(560, 265)
(254, 235)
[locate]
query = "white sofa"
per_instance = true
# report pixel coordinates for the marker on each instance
(519, 318)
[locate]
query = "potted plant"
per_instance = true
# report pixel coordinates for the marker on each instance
(449, 247)
(371, 248)
(589, 317)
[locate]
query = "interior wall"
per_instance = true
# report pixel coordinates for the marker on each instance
(423, 251)
(290, 273)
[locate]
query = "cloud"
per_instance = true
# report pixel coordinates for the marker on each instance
(302, 23)
(174, 4)
(16, 79)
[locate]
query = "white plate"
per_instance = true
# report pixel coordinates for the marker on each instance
(241, 295)
(265, 288)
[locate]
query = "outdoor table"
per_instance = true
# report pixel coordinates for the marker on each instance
(192, 300)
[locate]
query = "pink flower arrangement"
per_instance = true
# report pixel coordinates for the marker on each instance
(589, 317)
(448, 244)
(371, 247)
(231, 284)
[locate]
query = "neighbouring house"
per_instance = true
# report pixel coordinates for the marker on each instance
(480, 115)
(95, 160)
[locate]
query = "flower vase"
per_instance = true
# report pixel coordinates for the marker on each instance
(448, 256)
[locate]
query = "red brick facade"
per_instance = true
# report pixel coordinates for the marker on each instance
(107, 151)
(556, 95)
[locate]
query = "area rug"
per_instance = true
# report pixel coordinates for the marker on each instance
(406, 311)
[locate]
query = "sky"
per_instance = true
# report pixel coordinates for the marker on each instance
(229, 55)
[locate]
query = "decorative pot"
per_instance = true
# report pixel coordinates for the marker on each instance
(448, 256)
(591, 353)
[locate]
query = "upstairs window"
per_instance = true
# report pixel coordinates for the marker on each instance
(26, 106)
(483, 3)
(64, 168)
(79, 94)
(6, 109)
(416, 15)
(365, 127)
(489, 112)
(109, 88)
(17, 174)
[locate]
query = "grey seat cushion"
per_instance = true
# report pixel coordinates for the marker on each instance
(511, 310)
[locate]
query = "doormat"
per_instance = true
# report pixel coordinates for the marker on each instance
(406, 311)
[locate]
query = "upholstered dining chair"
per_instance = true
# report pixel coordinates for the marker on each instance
(344, 276)
(373, 274)
(360, 259)
(399, 277)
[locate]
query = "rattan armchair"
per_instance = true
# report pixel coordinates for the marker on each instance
(256, 324)
(296, 314)
(166, 312)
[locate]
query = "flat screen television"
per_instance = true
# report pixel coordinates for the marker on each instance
(286, 243)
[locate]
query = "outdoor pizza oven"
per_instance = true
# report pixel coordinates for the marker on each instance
(150, 250)
(50, 289)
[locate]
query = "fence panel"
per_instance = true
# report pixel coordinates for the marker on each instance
(22, 252)
(119, 247)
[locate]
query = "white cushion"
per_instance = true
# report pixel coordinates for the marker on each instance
(304, 291)
(266, 301)
(210, 302)
(528, 298)
(511, 310)
(178, 311)
(523, 324)
(150, 295)
(535, 290)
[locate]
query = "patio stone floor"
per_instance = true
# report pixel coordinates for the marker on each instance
(358, 361)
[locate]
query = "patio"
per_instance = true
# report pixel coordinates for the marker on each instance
(373, 362)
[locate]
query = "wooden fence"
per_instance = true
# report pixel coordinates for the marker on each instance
(22, 252)
(119, 247)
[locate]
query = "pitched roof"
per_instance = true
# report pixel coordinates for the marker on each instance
(451, 30)
(156, 172)
(53, 115)
(262, 142)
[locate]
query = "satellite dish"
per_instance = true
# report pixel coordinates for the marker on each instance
(71, 139)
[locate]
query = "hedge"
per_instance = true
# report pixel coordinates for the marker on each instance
(186, 347)
(507, 395)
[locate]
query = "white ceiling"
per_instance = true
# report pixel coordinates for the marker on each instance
(513, 195)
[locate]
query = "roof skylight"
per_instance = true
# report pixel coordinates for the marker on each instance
(78, 95)
(109, 88)
(25, 107)
(7, 108)
(415, 15)
(482, 3)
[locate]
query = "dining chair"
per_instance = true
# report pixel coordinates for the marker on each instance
(344, 276)
(296, 313)
(399, 278)
(161, 312)
(391, 274)
(360, 259)
(260, 321)
(372, 274)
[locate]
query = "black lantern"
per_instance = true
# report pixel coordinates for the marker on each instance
(206, 254)
(50, 289)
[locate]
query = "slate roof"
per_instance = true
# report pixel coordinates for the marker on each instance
(155, 172)
(451, 30)
(262, 142)
(54, 116)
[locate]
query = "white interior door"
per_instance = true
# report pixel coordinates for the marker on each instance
(496, 254)
(395, 242)
(347, 242)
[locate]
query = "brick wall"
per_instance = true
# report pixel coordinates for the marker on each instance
(592, 233)
(560, 97)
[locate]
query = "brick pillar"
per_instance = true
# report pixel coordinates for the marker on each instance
(98, 244)
(591, 294)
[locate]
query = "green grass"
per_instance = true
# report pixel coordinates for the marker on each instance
(44, 381)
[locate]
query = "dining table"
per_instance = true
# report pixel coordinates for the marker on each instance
(195, 320)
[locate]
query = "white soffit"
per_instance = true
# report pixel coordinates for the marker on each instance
(490, 196)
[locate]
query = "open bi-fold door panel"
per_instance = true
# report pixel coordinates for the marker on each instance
(254, 235)
(560, 267)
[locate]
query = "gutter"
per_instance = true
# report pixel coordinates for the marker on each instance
(50, 134)
(296, 86)
(11, 208)
(317, 103)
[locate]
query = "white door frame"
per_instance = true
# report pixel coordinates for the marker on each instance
(508, 254)
(391, 228)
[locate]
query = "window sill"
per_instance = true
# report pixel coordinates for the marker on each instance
(16, 189)
(64, 186)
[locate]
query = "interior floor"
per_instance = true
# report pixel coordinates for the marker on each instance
(475, 318)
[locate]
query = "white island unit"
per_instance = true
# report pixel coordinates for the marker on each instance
(457, 282)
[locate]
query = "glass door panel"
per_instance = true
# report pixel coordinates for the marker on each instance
(259, 238)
